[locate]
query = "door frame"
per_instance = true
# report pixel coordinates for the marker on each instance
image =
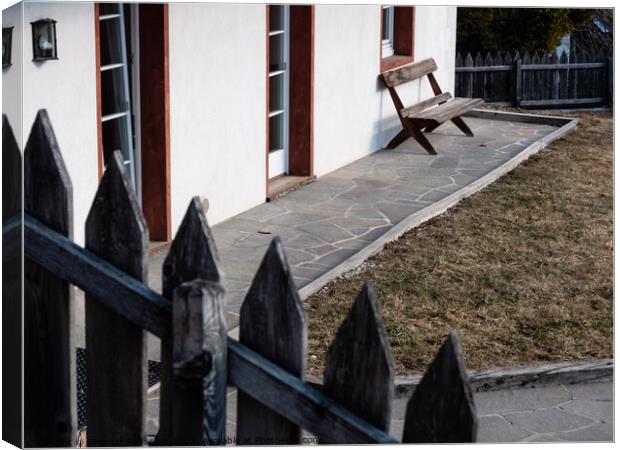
(154, 117)
(301, 93)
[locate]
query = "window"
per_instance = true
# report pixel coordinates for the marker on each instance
(279, 40)
(387, 31)
(397, 33)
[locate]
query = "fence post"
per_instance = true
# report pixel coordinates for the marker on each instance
(442, 409)
(199, 361)
(49, 368)
(273, 323)
(359, 369)
(192, 255)
(518, 82)
(469, 62)
(555, 86)
(610, 81)
(11, 288)
(116, 367)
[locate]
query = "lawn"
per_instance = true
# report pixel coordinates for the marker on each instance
(522, 270)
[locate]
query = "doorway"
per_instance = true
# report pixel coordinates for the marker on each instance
(290, 65)
(132, 57)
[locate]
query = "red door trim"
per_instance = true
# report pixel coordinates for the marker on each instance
(155, 116)
(155, 119)
(301, 87)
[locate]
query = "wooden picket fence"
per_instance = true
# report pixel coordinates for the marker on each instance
(537, 81)
(267, 364)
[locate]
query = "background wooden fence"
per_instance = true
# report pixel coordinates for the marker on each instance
(267, 364)
(537, 81)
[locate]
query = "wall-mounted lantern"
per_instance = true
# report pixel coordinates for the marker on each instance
(7, 42)
(44, 40)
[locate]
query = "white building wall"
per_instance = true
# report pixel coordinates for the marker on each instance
(217, 75)
(12, 76)
(66, 88)
(217, 107)
(354, 115)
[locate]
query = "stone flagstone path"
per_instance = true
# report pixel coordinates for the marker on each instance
(324, 223)
(577, 413)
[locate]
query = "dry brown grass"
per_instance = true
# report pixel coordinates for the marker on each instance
(522, 270)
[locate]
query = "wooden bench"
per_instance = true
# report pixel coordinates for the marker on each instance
(430, 113)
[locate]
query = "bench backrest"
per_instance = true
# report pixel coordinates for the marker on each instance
(408, 73)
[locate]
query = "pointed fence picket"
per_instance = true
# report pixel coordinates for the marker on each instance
(266, 365)
(537, 80)
(11, 286)
(116, 231)
(49, 368)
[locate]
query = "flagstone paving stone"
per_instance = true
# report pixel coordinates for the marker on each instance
(324, 223)
(536, 414)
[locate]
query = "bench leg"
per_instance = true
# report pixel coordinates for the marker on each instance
(430, 128)
(419, 136)
(398, 139)
(462, 126)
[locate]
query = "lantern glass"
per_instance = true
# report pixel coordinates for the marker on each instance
(7, 42)
(44, 40)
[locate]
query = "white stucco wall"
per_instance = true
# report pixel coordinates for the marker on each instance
(66, 88)
(12, 76)
(217, 107)
(354, 114)
(217, 94)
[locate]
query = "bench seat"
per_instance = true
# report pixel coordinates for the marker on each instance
(427, 114)
(448, 110)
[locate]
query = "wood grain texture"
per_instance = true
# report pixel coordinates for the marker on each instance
(359, 368)
(192, 255)
(448, 110)
(110, 286)
(49, 368)
(442, 408)
(199, 361)
(409, 72)
(115, 347)
(255, 375)
(411, 110)
(273, 323)
(12, 406)
(303, 405)
(11, 172)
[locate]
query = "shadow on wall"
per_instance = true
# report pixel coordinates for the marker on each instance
(388, 125)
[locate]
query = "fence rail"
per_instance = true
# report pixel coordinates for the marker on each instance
(546, 80)
(267, 364)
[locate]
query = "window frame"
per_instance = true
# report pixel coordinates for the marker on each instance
(387, 36)
(402, 33)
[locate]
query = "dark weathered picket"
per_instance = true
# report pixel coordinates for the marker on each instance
(266, 365)
(273, 323)
(49, 368)
(192, 255)
(199, 363)
(441, 409)
(11, 287)
(116, 347)
(361, 352)
(536, 80)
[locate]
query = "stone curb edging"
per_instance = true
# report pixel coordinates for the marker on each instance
(485, 380)
(524, 377)
(447, 202)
